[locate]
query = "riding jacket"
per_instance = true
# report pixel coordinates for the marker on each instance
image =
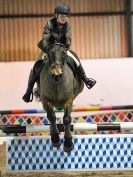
(52, 34)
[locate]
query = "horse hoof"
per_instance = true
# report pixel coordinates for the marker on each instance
(56, 141)
(56, 144)
(68, 149)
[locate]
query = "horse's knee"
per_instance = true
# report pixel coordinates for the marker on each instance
(51, 116)
(66, 120)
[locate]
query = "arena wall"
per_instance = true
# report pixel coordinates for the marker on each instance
(114, 83)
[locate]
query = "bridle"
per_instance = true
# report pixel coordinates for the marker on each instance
(56, 43)
(57, 64)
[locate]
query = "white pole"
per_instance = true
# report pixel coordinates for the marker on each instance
(37, 128)
(126, 125)
(84, 126)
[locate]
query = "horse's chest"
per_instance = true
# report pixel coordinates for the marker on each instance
(57, 92)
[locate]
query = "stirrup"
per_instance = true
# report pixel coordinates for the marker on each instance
(91, 84)
(31, 97)
(28, 97)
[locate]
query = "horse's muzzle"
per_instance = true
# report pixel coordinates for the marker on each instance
(56, 77)
(56, 71)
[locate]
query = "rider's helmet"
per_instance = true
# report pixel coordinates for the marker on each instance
(62, 8)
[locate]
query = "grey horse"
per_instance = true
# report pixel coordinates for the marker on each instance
(58, 86)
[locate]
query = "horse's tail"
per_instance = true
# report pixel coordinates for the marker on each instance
(37, 95)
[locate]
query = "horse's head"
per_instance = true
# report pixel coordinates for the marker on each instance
(57, 54)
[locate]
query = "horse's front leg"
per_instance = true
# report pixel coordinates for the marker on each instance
(68, 144)
(53, 127)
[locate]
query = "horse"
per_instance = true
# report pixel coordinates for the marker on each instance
(57, 88)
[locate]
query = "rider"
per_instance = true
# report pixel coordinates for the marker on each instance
(57, 29)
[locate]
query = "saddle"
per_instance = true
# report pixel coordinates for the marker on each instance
(41, 63)
(72, 65)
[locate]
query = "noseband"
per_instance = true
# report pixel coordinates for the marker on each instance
(57, 64)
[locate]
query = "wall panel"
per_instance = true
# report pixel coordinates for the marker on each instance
(47, 6)
(99, 37)
(92, 36)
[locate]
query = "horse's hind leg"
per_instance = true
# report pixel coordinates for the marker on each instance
(68, 144)
(53, 127)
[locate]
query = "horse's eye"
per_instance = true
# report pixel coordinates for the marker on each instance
(64, 53)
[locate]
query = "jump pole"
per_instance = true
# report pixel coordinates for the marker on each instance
(74, 127)
(90, 153)
(75, 109)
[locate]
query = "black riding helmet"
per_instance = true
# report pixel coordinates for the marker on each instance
(62, 8)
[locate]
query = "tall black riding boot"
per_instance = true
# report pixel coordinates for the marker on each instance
(33, 77)
(28, 96)
(88, 81)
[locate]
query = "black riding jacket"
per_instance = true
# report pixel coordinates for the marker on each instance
(52, 34)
